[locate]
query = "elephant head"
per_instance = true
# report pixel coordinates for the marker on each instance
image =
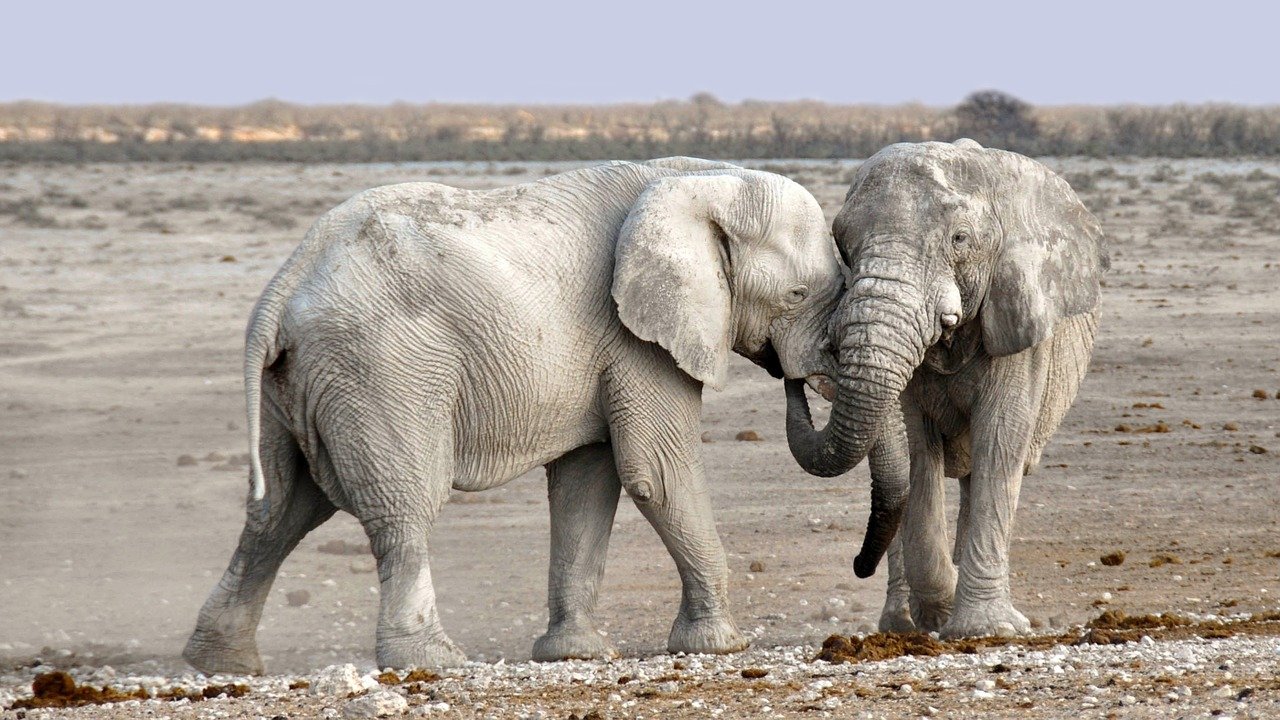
(942, 241)
(729, 259)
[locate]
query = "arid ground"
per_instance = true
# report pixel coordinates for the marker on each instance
(124, 291)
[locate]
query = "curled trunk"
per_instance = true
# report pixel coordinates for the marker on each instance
(880, 350)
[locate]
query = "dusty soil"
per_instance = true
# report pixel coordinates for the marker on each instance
(123, 296)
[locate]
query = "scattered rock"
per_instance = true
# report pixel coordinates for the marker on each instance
(756, 566)
(186, 461)
(381, 703)
(298, 598)
(706, 437)
(1261, 394)
(1257, 450)
(748, 436)
(1164, 559)
(215, 457)
(227, 259)
(339, 680)
(1113, 559)
(754, 673)
(1231, 426)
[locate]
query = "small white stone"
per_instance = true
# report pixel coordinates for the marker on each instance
(1128, 700)
(377, 704)
(983, 695)
(339, 680)
(985, 685)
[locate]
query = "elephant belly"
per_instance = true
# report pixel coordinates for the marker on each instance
(496, 442)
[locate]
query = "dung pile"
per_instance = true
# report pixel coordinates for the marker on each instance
(57, 689)
(880, 646)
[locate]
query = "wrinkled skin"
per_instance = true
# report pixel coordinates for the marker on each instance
(962, 341)
(425, 338)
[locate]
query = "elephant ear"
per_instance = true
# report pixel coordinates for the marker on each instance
(1051, 259)
(670, 272)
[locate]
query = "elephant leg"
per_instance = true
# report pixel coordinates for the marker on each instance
(224, 640)
(896, 615)
(962, 521)
(682, 517)
(1002, 425)
(396, 490)
(583, 490)
(659, 459)
(926, 557)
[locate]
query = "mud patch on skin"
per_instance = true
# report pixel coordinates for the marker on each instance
(1112, 627)
(58, 689)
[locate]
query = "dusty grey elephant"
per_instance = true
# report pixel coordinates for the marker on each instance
(424, 338)
(962, 340)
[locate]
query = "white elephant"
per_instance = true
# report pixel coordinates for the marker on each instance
(962, 341)
(424, 338)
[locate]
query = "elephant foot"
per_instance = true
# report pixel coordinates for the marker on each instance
(572, 643)
(429, 653)
(930, 615)
(212, 653)
(715, 635)
(993, 617)
(896, 616)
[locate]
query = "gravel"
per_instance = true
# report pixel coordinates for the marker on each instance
(1231, 677)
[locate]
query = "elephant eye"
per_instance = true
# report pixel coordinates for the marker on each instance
(798, 294)
(960, 238)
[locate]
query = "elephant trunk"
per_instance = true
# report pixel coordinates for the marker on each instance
(882, 344)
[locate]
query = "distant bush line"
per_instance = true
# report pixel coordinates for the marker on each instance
(277, 131)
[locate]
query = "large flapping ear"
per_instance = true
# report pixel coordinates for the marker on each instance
(670, 272)
(1052, 257)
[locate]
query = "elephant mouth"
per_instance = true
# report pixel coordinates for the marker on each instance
(823, 385)
(767, 358)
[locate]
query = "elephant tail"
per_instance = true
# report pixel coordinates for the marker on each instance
(262, 348)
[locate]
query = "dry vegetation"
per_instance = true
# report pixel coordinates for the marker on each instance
(703, 126)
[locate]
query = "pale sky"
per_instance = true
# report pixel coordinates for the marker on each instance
(892, 51)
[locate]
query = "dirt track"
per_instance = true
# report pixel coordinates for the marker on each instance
(123, 295)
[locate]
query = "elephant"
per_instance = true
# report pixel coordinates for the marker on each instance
(961, 343)
(424, 338)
